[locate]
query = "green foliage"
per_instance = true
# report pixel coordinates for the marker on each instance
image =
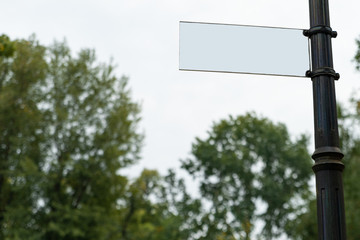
(245, 161)
(349, 129)
(349, 121)
(158, 208)
(7, 47)
(67, 125)
(304, 226)
(357, 55)
(21, 155)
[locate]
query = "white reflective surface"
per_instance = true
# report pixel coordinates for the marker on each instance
(243, 49)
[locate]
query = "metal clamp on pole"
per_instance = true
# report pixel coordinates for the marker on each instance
(320, 29)
(323, 71)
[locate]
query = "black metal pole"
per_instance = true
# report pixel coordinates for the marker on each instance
(328, 166)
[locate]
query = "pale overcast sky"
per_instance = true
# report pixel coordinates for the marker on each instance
(142, 38)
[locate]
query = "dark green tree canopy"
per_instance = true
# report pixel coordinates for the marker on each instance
(159, 208)
(67, 126)
(7, 47)
(247, 162)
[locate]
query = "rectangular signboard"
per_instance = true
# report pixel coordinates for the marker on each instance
(243, 49)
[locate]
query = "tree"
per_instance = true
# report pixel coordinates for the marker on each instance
(247, 162)
(67, 125)
(158, 208)
(349, 121)
(21, 73)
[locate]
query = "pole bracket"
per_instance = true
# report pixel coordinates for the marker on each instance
(323, 71)
(320, 29)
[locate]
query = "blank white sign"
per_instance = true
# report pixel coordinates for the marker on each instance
(243, 49)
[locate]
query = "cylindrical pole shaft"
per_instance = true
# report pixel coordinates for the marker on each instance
(328, 166)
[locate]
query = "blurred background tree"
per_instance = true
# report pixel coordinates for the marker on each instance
(244, 163)
(159, 208)
(67, 125)
(22, 74)
(7, 47)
